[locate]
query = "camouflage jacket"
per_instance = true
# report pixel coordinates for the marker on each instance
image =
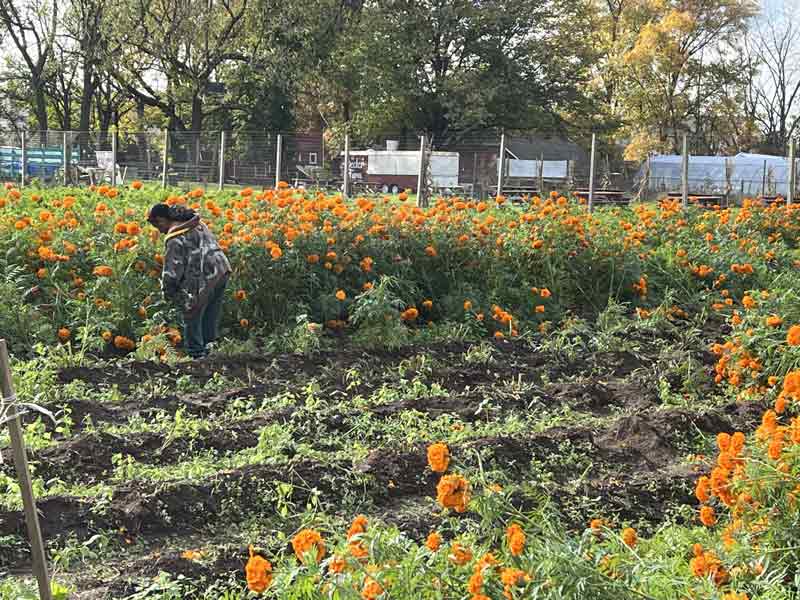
(194, 264)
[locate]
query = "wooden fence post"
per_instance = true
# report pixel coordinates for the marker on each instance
(38, 556)
(790, 191)
(422, 199)
(501, 164)
(164, 164)
(591, 172)
(278, 157)
(685, 172)
(221, 161)
(23, 160)
(346, 173)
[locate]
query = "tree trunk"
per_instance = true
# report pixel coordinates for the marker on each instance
(40, 108)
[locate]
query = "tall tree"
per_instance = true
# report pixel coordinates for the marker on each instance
(773, 93)
(31, 26)
(182, 44)
(680, 60)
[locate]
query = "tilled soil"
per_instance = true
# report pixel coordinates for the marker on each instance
(631, 449)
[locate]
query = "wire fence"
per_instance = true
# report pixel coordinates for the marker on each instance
(477, 164)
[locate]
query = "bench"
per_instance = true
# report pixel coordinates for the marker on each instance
(518, 194)
(604, 197)
(40, 162)
(702, 200)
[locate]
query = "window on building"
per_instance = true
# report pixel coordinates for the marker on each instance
(312, 158)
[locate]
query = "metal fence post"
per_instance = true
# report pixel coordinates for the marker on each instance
(23, 159)
(279, 152)
(501, 162)
(221, 160)
(38, 556)
(346, 182)
(685, 172)
(541, 176)
(422, 199)
(591, 172)
(65, 158)
(764, 180)
(790, 191)
(114, 157)
(164, 163)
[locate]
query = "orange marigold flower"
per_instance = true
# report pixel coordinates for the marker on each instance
(702, 489)
(427, 304)
(337, 564)
(357, 527)
(793, 335)
(240, 295)
(137, 185)
(629, 537)
(64, 334)
(459, 555)
(467, 305)
(775, 448)
(430, 251)
(103, 271)
(545, 293)
(774, 321)
(596, 525)
(123, 343)
(410, 314)
(244, 323)
(312, 259)
(540, 308)
(307, 540)
(340, 295)
(258, 572)
(371, 590)
(133, 229)
(276, 252)
(433, 542)
(515, 538)
(453, 492)
(707, 516)
(438, 457)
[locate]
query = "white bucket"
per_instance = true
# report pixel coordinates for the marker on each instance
(392, 145)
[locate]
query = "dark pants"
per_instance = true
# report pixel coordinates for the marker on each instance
(202, 328)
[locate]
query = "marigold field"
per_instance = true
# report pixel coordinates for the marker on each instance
(475, 400)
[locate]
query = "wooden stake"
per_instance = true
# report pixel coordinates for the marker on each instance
(24, 476)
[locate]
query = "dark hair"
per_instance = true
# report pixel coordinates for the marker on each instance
(177, 213)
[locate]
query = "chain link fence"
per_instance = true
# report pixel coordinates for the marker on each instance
(478, 164)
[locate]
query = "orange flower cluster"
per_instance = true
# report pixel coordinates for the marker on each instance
(258, 572)
(123, 343)
(515, 538)
(306, 541)
(357, 529)
(410, 314)
(433, 542)
(438, 457)
(706, 564)
(453, 491)
(745, 269)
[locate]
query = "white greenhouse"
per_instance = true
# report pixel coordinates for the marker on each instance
(744, 174)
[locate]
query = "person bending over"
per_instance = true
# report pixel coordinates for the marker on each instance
(195, 274)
